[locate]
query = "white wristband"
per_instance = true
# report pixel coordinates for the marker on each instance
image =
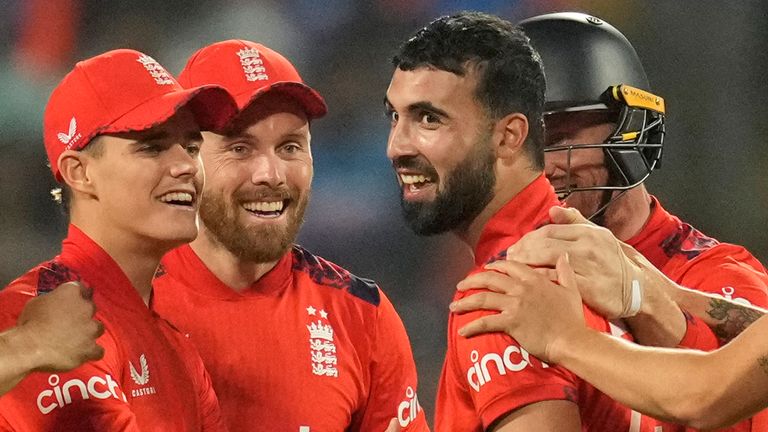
(637, 298)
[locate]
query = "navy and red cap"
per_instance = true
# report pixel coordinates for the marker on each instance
(123, 91)
(248, 70)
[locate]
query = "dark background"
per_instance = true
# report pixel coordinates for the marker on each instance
(707, 58)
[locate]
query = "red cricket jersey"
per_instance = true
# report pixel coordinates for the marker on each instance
(699, 262)
(486, 377)
(150, 379)
(309, 347)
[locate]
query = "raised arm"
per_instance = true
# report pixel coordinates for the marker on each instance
(702, 390)
(610, 282)
(726, 318)
(605, 271)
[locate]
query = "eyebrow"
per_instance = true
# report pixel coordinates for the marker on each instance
(420, 106)
(152, 135)
(195, 136)
(236, 136)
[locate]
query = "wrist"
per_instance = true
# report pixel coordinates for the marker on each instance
(564, 347)
(660, 321)
(24, 343)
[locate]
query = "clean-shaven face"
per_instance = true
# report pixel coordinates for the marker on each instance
(148, 183)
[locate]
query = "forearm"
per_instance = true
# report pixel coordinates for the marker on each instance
(660, 321)
(18, 357)
(726, 318)
(662, 383)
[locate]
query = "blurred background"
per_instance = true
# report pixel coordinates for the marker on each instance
(707, 58)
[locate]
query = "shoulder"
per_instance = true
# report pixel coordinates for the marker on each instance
(687, 242)
(41, 279)
(695, 251)
(327, 274)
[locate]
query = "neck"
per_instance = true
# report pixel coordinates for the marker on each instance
(138, 257)
(628, 214)
(232, 270)
(509, 183)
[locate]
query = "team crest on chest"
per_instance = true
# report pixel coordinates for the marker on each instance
(321, 347)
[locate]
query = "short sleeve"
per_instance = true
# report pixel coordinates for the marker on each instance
(394, 383)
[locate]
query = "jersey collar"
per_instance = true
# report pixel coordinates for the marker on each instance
(187, 267)
(650, 241)
(528, 210)
(98, 270)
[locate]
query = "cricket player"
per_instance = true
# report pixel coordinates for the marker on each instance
(466, 102)
(605, 136)
(601, 149)
(702, 390)
(123, 139)
(293, 342)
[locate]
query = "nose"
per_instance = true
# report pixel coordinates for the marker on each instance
(184, 164)
(400, 142)
(267, 170)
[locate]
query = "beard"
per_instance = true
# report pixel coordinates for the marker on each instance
(468, 188)
(260, 243)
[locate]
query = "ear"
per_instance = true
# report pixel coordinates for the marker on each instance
(73, 167)
(512, 130)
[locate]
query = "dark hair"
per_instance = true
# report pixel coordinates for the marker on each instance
(511, 78)
(62, 194)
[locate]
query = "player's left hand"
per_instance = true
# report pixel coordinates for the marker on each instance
(538, 313)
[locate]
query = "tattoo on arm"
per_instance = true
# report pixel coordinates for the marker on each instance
(733, 319)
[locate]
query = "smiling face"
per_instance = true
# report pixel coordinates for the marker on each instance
(147, 183)
(440, 147)
(259, 180)
(587, 166)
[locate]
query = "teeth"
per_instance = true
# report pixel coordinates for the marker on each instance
(264, 206)
(177, 196)
(414, 179)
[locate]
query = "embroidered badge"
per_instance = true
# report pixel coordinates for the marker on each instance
(321, 346)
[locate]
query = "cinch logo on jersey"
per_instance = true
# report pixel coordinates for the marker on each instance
(158, 73)
(728, 295)
(253, 65)
(514, 359)
(409, 408)
(61, 395)
(72, 137)
(141, 379)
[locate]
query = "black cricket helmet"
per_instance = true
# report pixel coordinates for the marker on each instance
(590, 65)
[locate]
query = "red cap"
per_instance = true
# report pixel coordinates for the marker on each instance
(248, 70)
(123, 91)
